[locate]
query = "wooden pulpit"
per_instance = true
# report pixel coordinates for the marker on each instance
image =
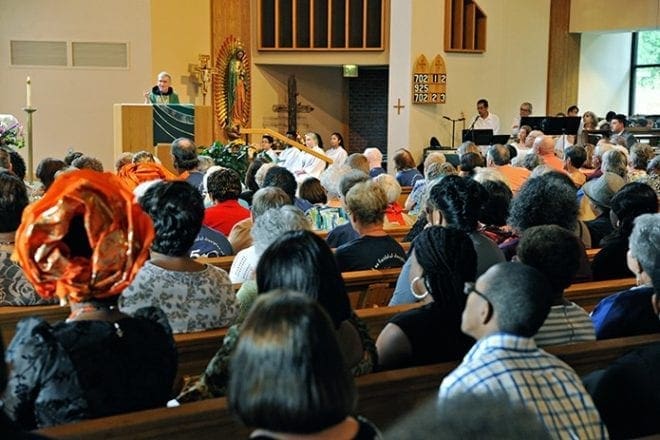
(135, 124)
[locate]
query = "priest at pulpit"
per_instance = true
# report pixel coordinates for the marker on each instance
(162, 92)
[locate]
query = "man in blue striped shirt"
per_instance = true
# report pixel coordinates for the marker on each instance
(504, 310)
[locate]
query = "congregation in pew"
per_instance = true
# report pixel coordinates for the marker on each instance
(541, 224)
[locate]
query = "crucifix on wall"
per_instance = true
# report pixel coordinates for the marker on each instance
(292, 107)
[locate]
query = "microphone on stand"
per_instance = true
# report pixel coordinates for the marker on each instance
(470, 131)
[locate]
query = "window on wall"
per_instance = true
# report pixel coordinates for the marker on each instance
(645, 73)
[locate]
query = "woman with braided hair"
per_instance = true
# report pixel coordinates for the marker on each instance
(442, 261)
(454, 202)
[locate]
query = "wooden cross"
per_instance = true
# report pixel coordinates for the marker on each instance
(398, 106)
(292, 107)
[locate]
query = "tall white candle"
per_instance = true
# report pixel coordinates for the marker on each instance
(28, 89)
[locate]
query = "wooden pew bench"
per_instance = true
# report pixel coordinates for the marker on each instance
(225, 262)
(10, 315)
(588, 294)
(196, 349)
(405, 192)
(396, 232)
(383, 397)
(369, 288)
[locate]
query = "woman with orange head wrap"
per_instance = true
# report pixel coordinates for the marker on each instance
(133, 174)
(83, 242)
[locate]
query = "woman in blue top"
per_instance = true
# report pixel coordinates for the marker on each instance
(406, 172)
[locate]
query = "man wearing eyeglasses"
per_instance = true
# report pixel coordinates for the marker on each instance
(504, 310)
(525, 110)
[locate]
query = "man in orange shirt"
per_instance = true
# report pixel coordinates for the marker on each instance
(499, 158)
(545, 147)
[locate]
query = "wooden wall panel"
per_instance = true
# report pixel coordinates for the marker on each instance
(230, 17)
(563, 59)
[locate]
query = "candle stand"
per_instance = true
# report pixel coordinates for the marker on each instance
(29, 111)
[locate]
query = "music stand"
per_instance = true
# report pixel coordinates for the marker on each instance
(502, 139)
(479, 137)
(536, 122)
(561, 125)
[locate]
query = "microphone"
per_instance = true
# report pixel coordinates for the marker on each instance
(470, 131)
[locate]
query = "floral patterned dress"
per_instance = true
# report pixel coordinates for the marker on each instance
(192, 301)
(15, 289)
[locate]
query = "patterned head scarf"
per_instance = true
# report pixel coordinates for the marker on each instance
(133, 174)
(55, 256)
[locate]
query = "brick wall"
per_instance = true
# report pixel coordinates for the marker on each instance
(367, 110)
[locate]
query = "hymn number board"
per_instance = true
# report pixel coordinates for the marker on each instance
(429, 81)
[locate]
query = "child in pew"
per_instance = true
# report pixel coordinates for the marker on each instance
(293, 262)
(98, 362)
(288, 375)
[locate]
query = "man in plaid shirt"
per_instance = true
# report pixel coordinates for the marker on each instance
(504, 310)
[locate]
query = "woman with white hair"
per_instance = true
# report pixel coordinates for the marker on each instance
(394, 215)
(375, 158)
(266, 228)
(435, 165)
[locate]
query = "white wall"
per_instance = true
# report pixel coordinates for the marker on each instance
(513, 69)
(614, 15)
(74, 105)
(604, 72)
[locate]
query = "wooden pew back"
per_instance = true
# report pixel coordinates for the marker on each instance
(196, 349)
(383, 397)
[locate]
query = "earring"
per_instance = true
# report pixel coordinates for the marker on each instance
(412, 289)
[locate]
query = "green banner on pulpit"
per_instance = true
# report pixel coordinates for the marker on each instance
(173, 121)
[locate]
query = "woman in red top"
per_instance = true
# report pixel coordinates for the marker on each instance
(223, 187)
